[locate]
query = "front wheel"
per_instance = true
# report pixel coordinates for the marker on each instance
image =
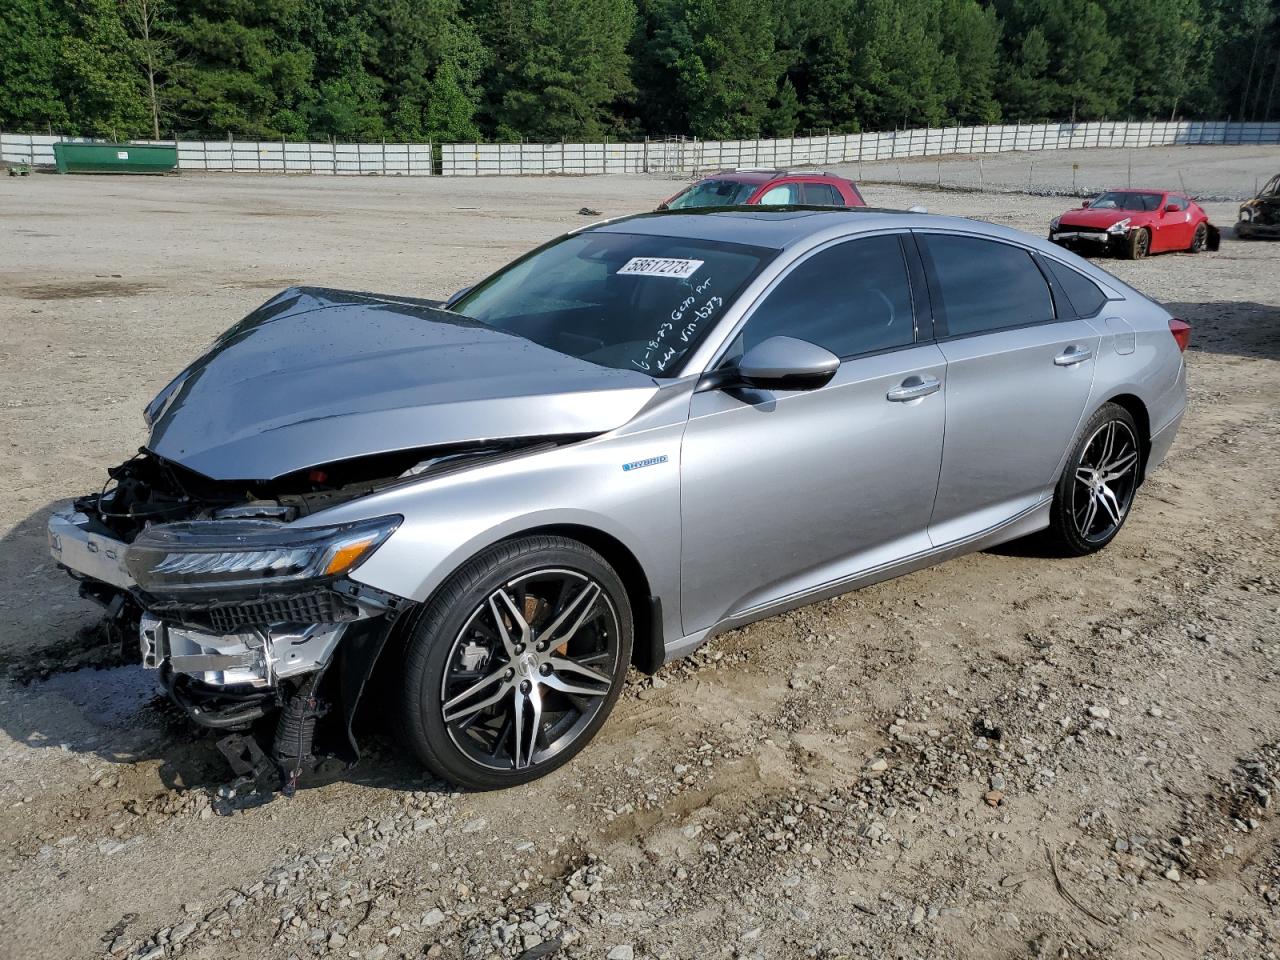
(516, 662)
(1137, 244)
(1095, 491)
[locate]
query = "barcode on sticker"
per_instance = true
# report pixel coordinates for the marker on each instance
(659, 267)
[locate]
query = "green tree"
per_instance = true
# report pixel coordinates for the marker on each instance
(427, 49)
(727, 66)
(1082, 79)
(31, 40)
(784, 112)
(563, 66)
(970, 46)
(1027, 92)
(103, 91)
(450, 109)
(245, 69)
(148, 22)
(1158, 42)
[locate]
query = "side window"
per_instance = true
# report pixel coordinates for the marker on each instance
(986, 285)
(783, 195)
(851, 298)
(821, 195)
(1174, 201)
(1085, 296)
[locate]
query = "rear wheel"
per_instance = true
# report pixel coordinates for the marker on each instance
(1095, 491)
(516, 663)
(1199, 238)
(1137, 244)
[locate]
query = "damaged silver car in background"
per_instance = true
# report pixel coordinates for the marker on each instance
(639, 435)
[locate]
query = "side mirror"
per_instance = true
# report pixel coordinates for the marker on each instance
(785, 363)
(1085, 203)
(1171, 208)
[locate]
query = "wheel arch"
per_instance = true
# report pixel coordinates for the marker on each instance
(647, 650)
(1138, 410)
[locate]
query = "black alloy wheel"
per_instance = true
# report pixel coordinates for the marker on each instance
(1096, 490)
(516, 663)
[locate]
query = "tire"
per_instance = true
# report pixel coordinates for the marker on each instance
(1137, 245)
(1199, 238)
(476, 670)
(1075, 529)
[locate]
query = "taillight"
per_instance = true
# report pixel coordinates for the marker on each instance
(1181, 331)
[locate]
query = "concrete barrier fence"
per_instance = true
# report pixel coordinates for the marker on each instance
(672, 156)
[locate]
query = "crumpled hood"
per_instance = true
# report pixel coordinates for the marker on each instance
(1100, 219)
(314, 376)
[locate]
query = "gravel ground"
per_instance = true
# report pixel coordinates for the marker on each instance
(1004, 756)
(1218, 173)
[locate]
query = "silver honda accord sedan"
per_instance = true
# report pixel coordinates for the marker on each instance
(639, 435)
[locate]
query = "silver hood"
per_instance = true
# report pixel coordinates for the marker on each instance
(315, 376)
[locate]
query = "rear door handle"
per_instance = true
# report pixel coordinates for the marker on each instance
(1072, 355)
(913, 388)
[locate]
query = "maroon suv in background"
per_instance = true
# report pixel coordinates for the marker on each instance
(767, 188)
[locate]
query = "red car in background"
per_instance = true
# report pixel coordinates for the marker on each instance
(767, 188)
(1134, 223)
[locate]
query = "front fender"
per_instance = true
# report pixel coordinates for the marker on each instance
(625, 486)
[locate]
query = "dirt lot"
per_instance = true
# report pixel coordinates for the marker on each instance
(1006, 756)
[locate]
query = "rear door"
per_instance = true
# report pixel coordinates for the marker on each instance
(1019, 373)
(784, 491)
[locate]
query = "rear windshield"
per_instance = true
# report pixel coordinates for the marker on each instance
(628, 301)
(1124, 200)
(713, 193)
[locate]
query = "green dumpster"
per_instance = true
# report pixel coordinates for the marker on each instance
(114, 158)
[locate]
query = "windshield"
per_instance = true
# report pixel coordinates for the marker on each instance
(1125, 200)
(627, 301)
(713, 193)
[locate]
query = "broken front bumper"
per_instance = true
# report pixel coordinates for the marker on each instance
(244, 642)
(74, 545)
(258, 657)
(1085, 238)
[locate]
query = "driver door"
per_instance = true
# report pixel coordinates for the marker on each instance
(1174, 227)
(785, 491)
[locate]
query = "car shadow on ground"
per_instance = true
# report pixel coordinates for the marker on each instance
(1237, 328)
(65, 684)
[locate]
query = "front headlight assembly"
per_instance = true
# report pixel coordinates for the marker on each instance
(1119, 227)
(222, 554)
(1055, 223)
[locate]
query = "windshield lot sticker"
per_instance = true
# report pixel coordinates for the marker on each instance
(650, 462)
(659, 267)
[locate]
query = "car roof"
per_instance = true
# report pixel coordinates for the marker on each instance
(762, 176)
(1140, 190)
(781, 227)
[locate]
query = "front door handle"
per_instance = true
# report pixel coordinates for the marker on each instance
(913, 388)
(1072, 355)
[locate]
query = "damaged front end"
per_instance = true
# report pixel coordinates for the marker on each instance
(1259, 218)
(244, 607)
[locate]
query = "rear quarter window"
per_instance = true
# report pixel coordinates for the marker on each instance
(1086, 296)
(821, 195)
